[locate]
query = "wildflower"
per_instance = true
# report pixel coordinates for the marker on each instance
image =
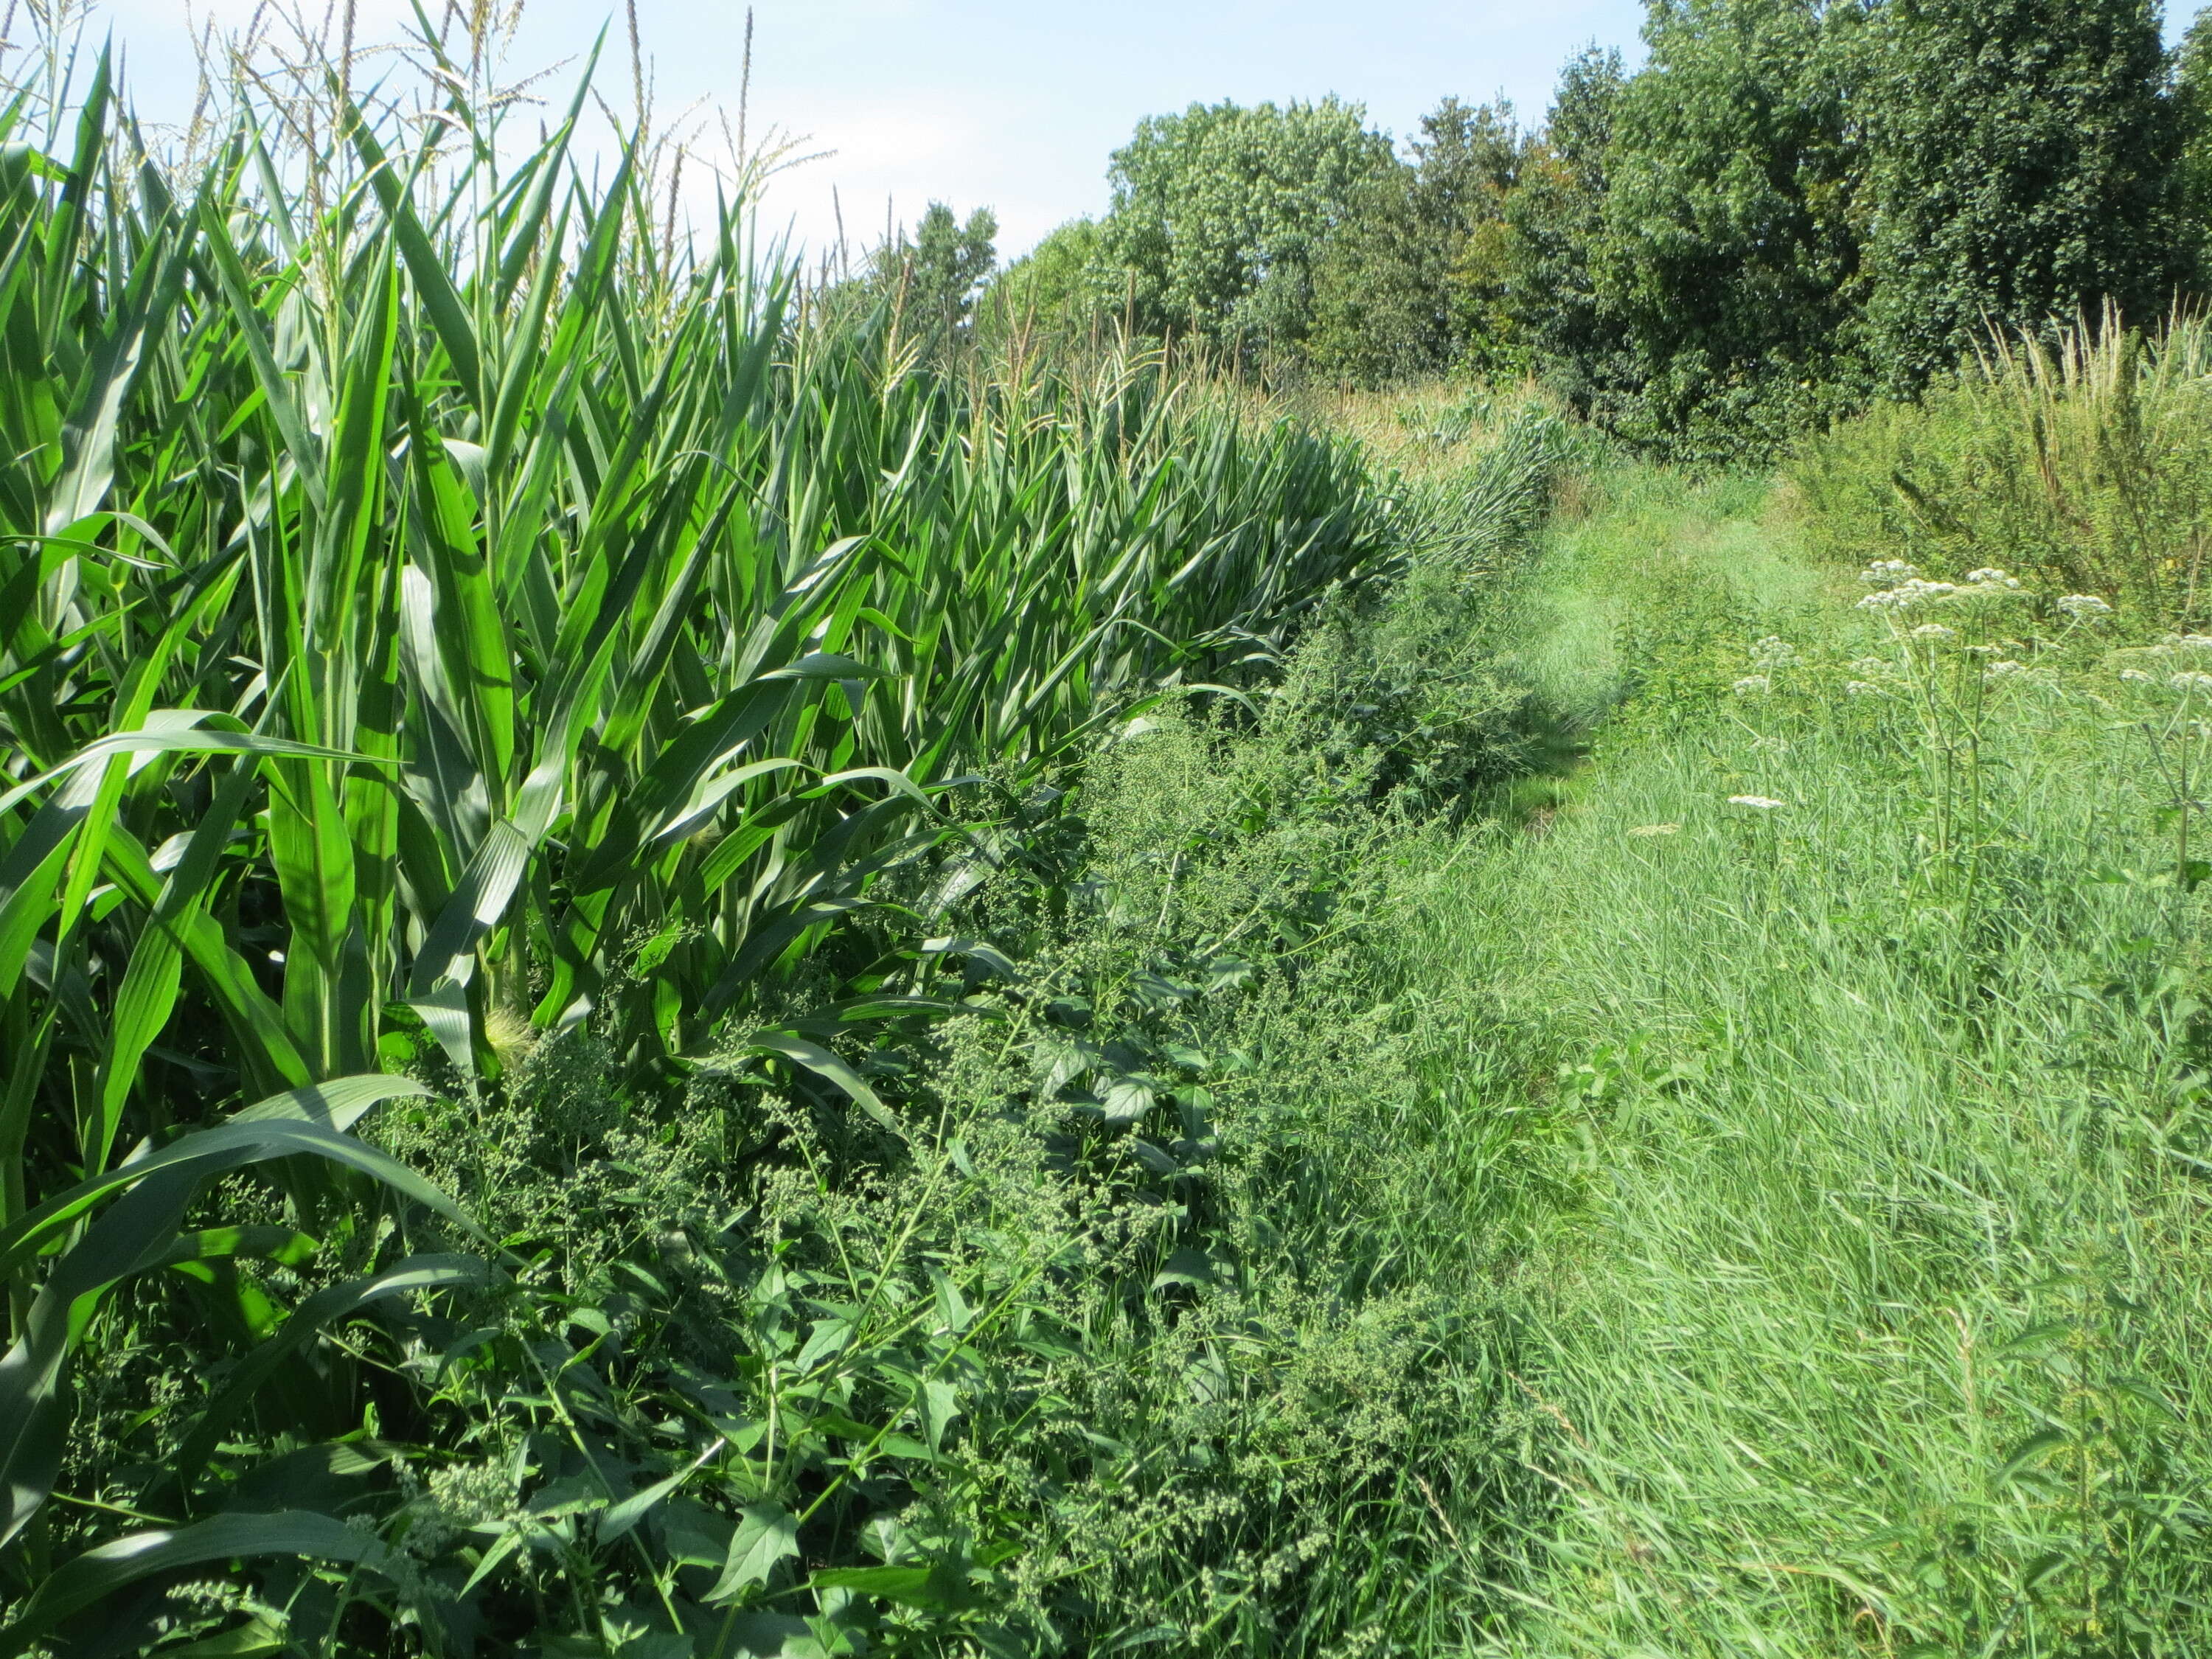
(1990, 576)
(2190, 680)
(1753, 684)
(1935, 632)
(2136, 676)
(1762, 802)
(1859, 689)
(1887, 573)
(1871, 664)
(2197, 642)
(1999, 670)
(1656, 829)
(1773, 652)
(1905, 595)
(2082, 607)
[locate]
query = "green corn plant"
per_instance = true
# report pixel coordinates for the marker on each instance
(438, 617)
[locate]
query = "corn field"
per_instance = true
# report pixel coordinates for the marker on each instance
(444, 614)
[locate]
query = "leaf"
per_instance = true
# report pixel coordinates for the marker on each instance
(188, 737)
(2033, 1342)
(941, 1585)
(100, 1573)
(1185, 1266)
(1153, 1158)
(990, 957)
(250, 1640)
(325, 1306)
(627, 1514)
(939, 1403)
(820, 1061)
(1128, 1102)
(909, 1585)
(338, 1105)
(211, 1151)
(135, 1233)
(2027, 1453)
(775, 1636)
(766, 1532)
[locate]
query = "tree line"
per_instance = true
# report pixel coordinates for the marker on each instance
(1792, 208)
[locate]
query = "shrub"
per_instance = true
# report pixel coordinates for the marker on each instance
(2085, 465)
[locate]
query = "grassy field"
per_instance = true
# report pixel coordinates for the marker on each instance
(682, 980)
(1854, 983)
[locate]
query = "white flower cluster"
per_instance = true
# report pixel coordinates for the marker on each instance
(1762, 802)
(1935, 632)
(2082, 607)
(2004, 671)
(2189, 680)
(2136, 676)
(1754, 685)
(1859, 689)
(1900, 586)
(1774, 652)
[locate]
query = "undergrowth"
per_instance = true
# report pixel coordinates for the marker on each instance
(1870, 949)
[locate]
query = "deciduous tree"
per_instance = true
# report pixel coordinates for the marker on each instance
(1219, 213)
(2025, 166)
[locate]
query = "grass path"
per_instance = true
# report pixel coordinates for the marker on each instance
(1852, 1246)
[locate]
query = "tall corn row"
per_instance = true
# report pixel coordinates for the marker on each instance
(430, 615)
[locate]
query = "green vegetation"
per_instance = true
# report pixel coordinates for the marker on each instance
(2083, 466)
(1793, 207)
(1858, 975)
(580, 695)
(1219, 212)
(695, 968)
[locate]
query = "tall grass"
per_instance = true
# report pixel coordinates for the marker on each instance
(1859, 1244)
(2080, 462)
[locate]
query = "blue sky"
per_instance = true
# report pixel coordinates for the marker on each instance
(993, 102)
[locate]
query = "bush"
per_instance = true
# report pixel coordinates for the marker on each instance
(2085, 466)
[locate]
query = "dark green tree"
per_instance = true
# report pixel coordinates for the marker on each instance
(1730, 246)
(932, 278)
(1219, 212)
(2025, 166)
(2192, 98)
(1387, 285)
(1539, 272)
